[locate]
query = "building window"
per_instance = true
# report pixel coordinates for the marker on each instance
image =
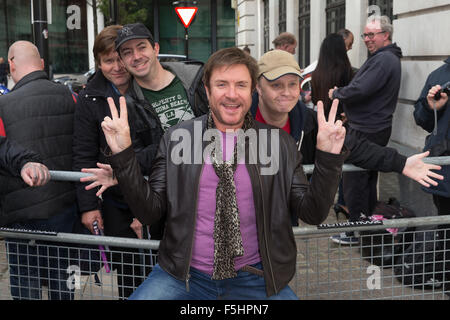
(225, 25)
(266, 26)
(68, 49)
(281, 16)
(386, 7)
(335, 12)
(304, 22)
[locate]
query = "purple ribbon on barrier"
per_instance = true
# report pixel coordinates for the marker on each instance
(98, 232)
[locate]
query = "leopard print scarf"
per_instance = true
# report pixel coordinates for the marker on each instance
(227, 232)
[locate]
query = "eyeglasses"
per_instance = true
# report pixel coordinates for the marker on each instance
(370, 35)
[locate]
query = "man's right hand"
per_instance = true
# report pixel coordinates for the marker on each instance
(88, 218)
(433, 104)
(35, 174)
(116, 129)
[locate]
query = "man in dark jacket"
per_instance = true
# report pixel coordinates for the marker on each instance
(369, 104)
(149, 118)
(89, 148)
(232, 232)
(38, 114)
(276, 102)
(432, 113)
(17, 161)
(438, 140)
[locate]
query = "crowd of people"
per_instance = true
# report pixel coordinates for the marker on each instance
(225, 222)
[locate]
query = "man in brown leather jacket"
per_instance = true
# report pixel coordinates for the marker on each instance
(228, 230)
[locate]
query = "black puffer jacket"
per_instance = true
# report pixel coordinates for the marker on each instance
(38, 114)
(13, 157)
(275, 197)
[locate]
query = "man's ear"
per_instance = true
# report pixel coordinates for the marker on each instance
(156, 48)
(258, 88)
(206, 90)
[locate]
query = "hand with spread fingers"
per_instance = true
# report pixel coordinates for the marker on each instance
(331, 135)
(116, 128)
(420, 171)
(35, 174)
(101, 176)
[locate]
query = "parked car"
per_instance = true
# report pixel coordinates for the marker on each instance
(305, 85)
(75, 81)
(3, 90)
(171, 57)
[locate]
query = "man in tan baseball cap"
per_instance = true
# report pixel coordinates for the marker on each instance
(276, 101)
(277, 63)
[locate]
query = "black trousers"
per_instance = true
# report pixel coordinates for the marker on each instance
(360, 188)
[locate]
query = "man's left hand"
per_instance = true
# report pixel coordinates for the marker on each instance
(331, 135)
(420, 171)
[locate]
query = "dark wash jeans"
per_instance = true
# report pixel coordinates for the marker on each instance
(160, 285)
(32, 265)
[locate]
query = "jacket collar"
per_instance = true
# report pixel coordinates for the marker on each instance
(447, 61)
(32, 76)
(296, 116)
(98, 85)
(393, 48)
(136, 88)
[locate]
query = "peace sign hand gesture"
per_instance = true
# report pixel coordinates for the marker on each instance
(331, 135)
(116, 130)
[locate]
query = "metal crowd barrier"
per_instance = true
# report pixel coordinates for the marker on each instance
(379, 267)
(412, 265)
(75, 176)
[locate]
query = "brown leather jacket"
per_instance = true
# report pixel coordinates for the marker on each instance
(172, 191)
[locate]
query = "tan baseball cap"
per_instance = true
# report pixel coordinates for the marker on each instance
(277, 63)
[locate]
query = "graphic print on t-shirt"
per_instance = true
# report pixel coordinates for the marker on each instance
(171, 104)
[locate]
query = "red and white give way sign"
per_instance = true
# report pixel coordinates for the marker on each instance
(186, 14)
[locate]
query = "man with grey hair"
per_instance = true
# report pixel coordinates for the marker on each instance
(369, 103)
(285, 41)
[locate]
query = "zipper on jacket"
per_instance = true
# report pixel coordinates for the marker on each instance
(188, 275)
(265, 239)
(301, 140)
(187, 282)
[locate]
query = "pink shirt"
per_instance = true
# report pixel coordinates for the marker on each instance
(203, 251)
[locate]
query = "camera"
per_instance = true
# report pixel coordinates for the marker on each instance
(445, 88)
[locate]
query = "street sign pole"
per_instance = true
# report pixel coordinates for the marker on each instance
(186, 43)
(114, 11)
(40, 31)
(186, 15)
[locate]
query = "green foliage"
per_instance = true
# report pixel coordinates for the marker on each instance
(130, 11)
